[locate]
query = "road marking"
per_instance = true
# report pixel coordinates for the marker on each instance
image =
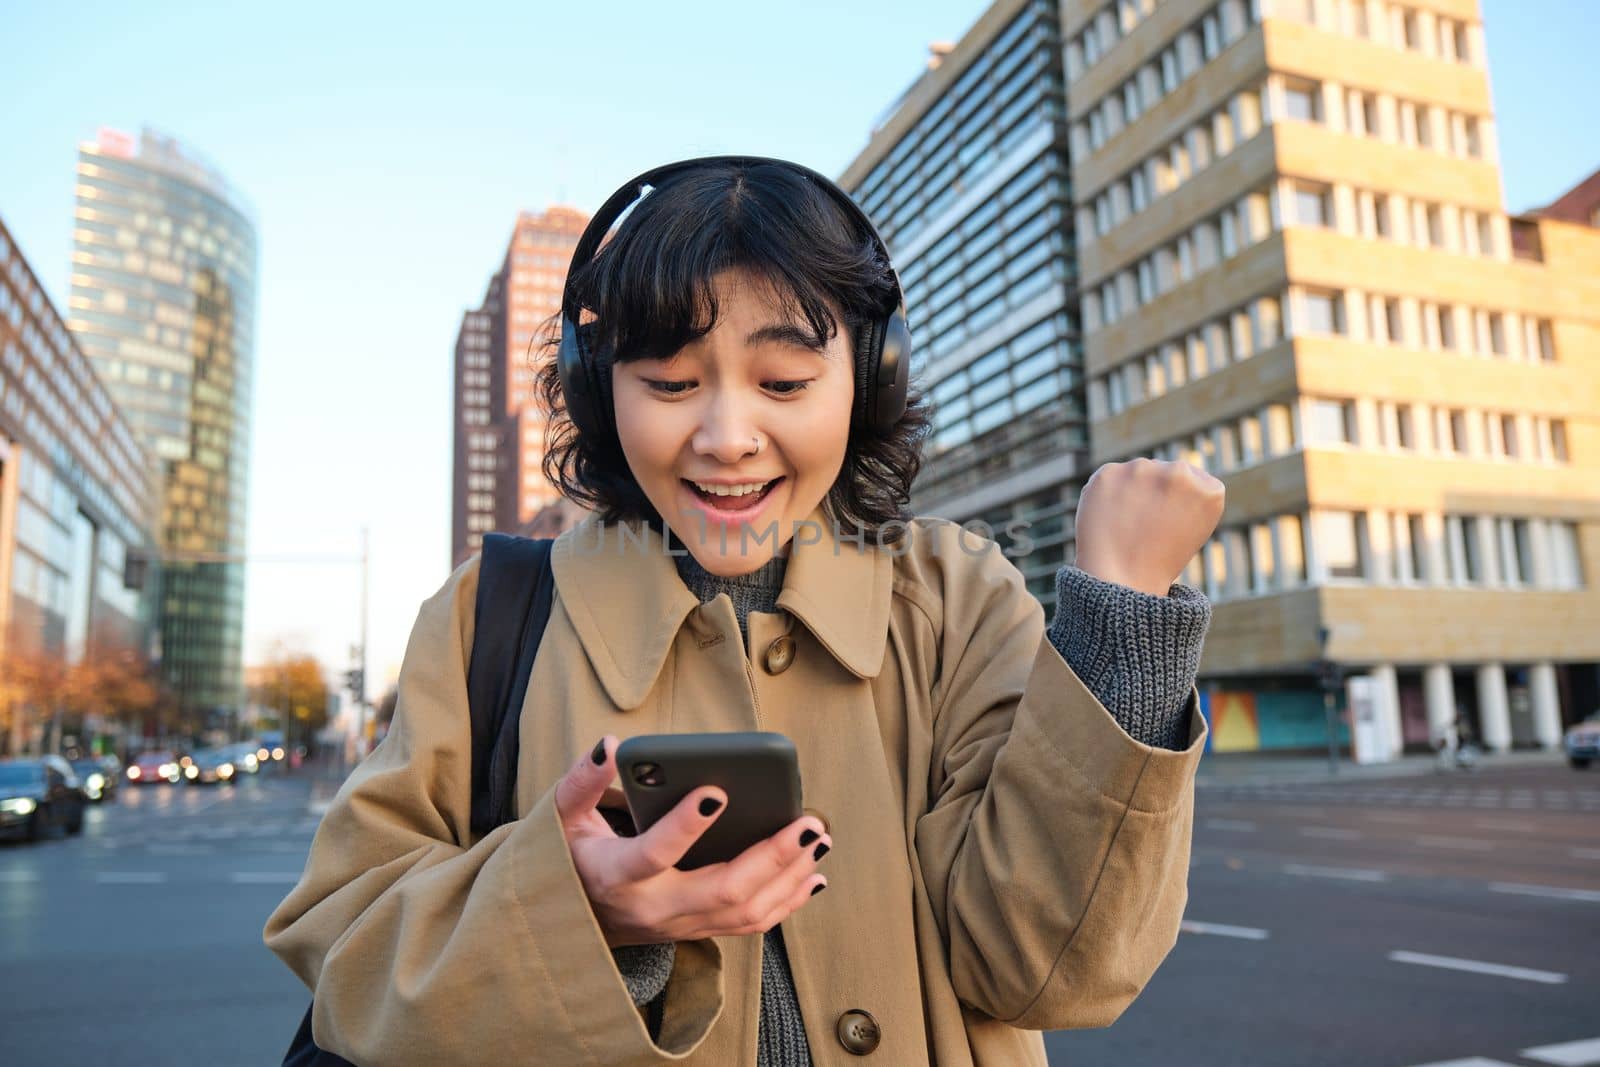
(1471, 844)
(1518, 825)
(1585, 853)
(1353, 874)
(264, 877)
(1569, 1054)
(19, 876)
(1242, 825)
(1332, 833)
(1470, 1061)
(1404, 817)
(1588, 896)
(1248, 933)
(1500, 970)
(131, 877)
(182, 850)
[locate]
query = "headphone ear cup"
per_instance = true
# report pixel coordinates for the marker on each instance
(582, 384)
(883, 369)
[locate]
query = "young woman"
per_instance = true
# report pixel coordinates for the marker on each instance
(999, 810)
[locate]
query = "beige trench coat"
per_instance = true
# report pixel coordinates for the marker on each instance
(1006, 858)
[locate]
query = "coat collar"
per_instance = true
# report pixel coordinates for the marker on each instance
(626, 600)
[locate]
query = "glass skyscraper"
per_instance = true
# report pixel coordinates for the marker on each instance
(162, 301)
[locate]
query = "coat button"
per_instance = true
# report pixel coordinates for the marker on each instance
(858, 1032)
(780, 654)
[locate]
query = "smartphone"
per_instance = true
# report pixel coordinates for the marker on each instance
(759, 771)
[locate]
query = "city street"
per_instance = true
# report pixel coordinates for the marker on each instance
(141, 940)
(1380, 923)
(1383, 922)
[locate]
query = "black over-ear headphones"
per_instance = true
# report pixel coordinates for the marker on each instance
(883, 347)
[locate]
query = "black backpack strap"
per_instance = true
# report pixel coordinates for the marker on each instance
(515, 589)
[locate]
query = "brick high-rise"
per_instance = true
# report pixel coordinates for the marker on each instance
(499, 431)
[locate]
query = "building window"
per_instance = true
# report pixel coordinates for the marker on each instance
(1558, 440)
(1521, 551)
(1472, 548)
(1564, 559)
(1407, 428)
(1508, 434)
(1292, 548)
(1324, 312)
(1417, 530)
(1301, 100)
(1332, 422)
(1313, 204)
(1339, 542)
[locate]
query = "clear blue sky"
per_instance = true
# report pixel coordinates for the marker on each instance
(388, 147)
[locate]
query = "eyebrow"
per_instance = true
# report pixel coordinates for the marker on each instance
(785, 333)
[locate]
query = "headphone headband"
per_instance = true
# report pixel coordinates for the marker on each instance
(883, 346)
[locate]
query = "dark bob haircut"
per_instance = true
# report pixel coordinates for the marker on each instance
(649, 292)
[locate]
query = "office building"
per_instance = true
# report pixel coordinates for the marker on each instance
(1298, 272)
(162, 301)
(967, 179)
(78, 494)
(498, 481)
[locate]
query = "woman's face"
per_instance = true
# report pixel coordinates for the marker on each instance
(697, 416)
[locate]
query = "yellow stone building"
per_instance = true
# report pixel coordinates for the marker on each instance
(1296, 269)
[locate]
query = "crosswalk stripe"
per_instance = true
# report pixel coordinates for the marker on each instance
(1588, 896)
(1499, 970)
(1354, 874)
(264, 877)
(1568, 1054)
(1470, 1061)
(131, 877)
(1248, 933)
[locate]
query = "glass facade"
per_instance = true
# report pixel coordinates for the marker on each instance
(77, 491)
(974, 201)
(163, 303)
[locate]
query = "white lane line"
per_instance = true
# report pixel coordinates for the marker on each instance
(1470, 1061)
(181, 850)
(1471, 844)
(1499, 970)
(1585, 853)
(1518, 825)
(1248, 933)
(1353, 874)
(1331, 833)
(19, 876)
(1568, 1054)
(1588, 896)
(1244, 826)
(264, 877)
(131, 877)
(1393, 816)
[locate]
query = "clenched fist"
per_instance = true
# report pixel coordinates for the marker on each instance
(1141, 522)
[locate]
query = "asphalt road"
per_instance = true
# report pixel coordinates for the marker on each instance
(1442, 919)
(140, 941)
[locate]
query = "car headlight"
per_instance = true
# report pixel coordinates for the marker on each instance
(225, 771)
(250, 762)
(277, 753)
(133, 772)
(192, 771)
(167, 769)
(97, 781)
(18, 805)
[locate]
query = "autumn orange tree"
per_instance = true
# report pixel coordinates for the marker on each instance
(292, 684)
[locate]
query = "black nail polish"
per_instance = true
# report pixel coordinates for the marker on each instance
(819, 888)
(822, 850)
(710, 806)
(599, 754)
(808, 837)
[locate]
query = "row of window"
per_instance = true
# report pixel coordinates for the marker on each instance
(1382, 116)
(1454, 431)
(1112, 22)
(1209, 139)
(1387, 548)
(1391, 217)
(1396, 25)
(1189, 51)
(1008, 88)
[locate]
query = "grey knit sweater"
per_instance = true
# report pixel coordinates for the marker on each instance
(1139, 654)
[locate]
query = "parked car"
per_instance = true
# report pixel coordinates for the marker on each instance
(210, 766)
(1583, 741)
(100, 776)
(150, 768)
(37, 795)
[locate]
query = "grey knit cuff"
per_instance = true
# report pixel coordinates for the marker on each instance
(645, 968)
(1138, 653)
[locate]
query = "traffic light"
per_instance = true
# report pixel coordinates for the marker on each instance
(354, 682)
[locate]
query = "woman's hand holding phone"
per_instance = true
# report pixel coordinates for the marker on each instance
(640, 897)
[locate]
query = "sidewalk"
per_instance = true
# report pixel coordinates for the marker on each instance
(1219, 770)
